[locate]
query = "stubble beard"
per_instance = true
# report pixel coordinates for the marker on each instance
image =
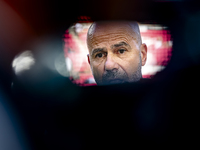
(138, 74)
(119, 76)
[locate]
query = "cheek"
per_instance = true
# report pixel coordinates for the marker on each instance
(97, 69)
(130, 64)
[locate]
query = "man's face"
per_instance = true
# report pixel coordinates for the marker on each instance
(114, 53)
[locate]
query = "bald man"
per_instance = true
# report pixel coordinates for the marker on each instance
(116, 53)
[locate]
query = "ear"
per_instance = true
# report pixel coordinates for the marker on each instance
(88, 58)
(143, 49)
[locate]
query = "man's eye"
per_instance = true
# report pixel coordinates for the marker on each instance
(121, 51)
(99, 55)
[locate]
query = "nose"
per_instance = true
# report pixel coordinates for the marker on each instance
(110, 63)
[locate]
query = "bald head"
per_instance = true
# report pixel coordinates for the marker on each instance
(99, 28)
(116, 52)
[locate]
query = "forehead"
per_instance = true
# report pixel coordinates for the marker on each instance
(110, 32)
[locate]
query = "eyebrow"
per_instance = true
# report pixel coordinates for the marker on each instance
(120, 44)
(96, 50)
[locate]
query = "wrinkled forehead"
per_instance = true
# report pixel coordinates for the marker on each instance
(128, 29)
